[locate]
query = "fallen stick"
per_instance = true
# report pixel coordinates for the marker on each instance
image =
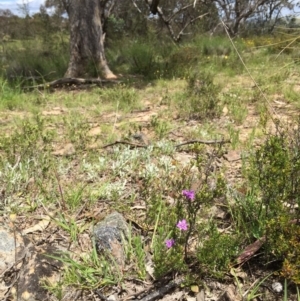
(202, 142)
(161, 291)
(124, 142)
(176, 146)
(72, 81)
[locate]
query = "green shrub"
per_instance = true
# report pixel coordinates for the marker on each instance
(201, 97)
(217, 251)
(141, 58)
(275, 172)
(33, 61)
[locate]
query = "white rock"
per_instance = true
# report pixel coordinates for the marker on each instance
(277, 287)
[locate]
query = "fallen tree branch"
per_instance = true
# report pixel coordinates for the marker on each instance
(126, 143)
(62, 82)
(158, 293)
(203, 142)
(176, 146)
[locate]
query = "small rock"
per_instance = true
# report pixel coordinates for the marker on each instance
(110, 235)
(66, 150)
(141, 138)
(11, 243)
(277, 287)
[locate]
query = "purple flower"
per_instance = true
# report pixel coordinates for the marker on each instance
(170, 243)
(189, 194)
(182, 225)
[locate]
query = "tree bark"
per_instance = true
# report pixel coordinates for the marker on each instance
(86, 38)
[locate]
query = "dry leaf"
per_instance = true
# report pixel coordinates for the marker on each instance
(150, 268)
(195, 288)
(41, 226)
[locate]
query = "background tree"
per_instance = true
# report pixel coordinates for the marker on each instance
(86, 19)
(90, 21)
(236, 13)
(181, 17)
(6, 19)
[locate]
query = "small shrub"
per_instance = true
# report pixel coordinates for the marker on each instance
(275, 171)
(141, 58)
(182, 59)
(217, 251)
(201, 96)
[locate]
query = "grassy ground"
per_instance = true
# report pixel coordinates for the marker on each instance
(56, 162)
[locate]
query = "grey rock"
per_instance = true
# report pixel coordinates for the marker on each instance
(141, 138)
(111, 235)
(12, 251)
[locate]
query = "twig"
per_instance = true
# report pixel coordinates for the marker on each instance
(203, 142)
(139, 293)
(101, 296)
(82, 208)
(141, 110)
(161, 291)
(135, 5)
(116, 117)
(61, 193)
(174, 129)
(176, 146)
(124, 142)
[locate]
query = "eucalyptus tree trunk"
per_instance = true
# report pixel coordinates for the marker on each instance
(87, 37)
